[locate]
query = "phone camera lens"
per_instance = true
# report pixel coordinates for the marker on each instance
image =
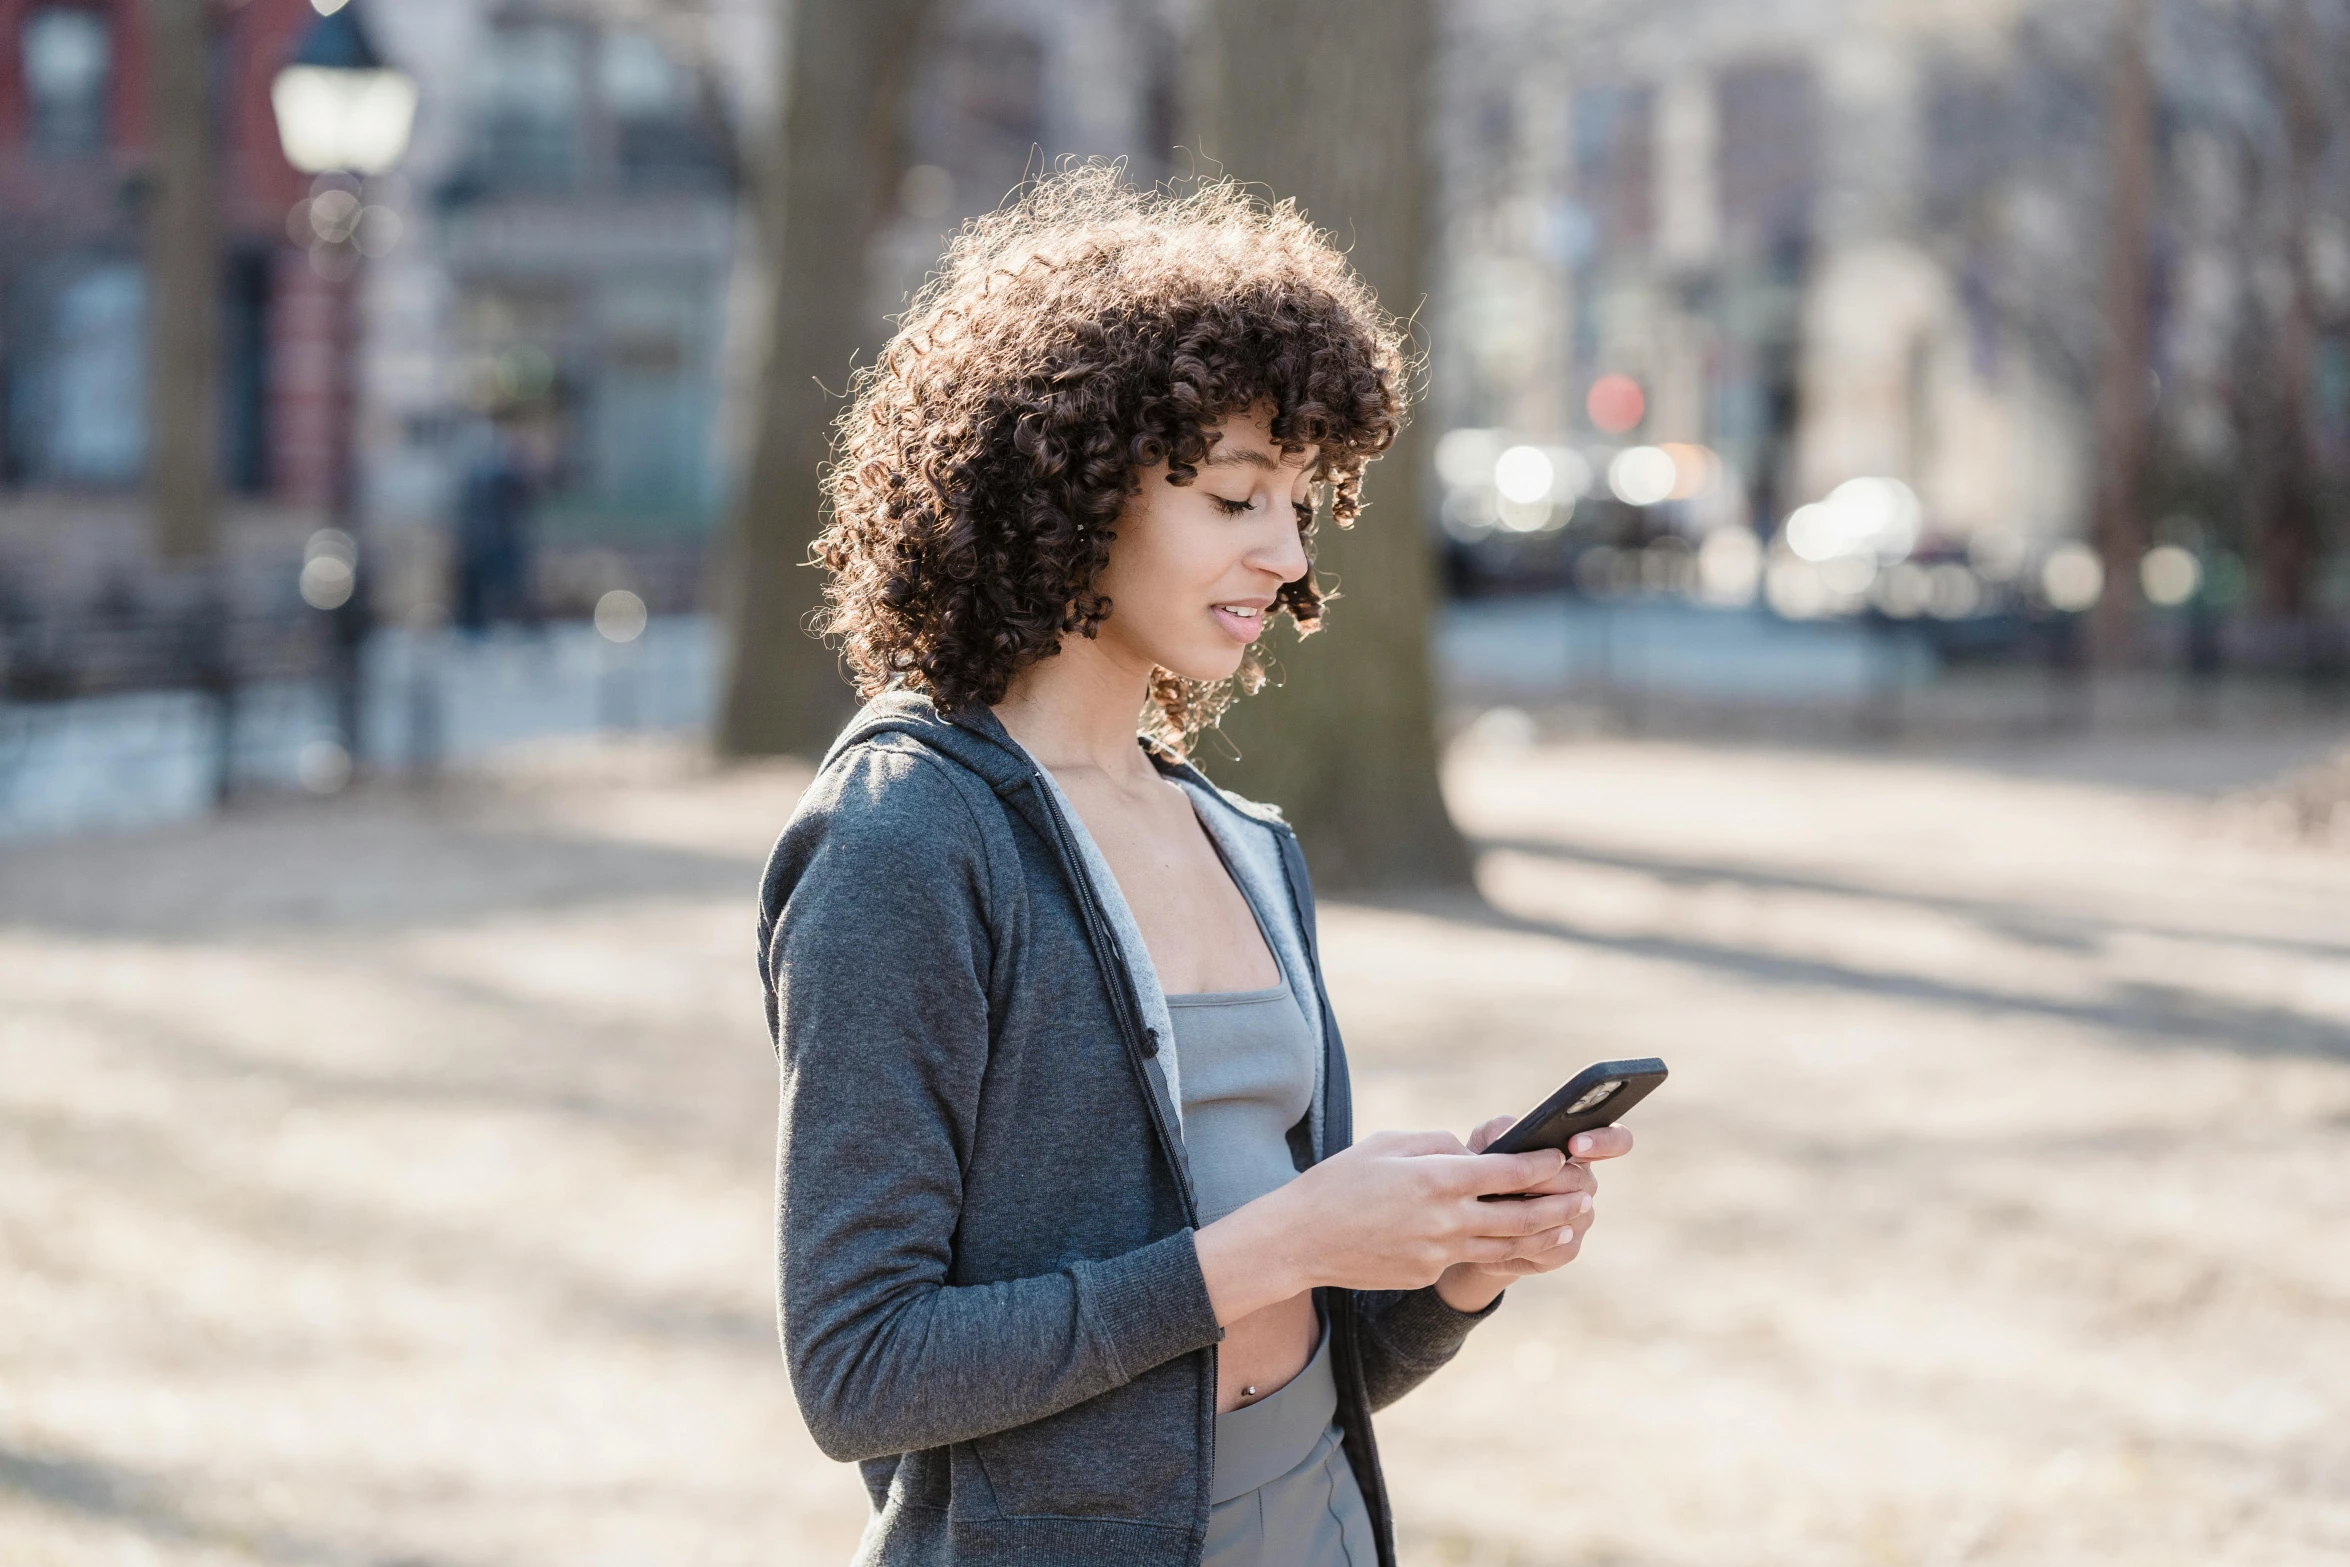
(1597, 1097)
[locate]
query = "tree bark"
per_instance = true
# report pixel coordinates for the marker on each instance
(183, 272)
(1336, 119)
(2123, 407)
(825, 194)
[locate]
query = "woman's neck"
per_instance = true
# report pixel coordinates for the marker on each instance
(1079, 709)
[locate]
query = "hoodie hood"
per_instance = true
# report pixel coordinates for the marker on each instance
(977, 739)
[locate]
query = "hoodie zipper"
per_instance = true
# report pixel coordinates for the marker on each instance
(1127, 1004)
(1141, 1042)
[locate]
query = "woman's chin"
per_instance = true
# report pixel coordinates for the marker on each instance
(1205, 665)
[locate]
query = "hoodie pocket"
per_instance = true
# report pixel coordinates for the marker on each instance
(1134, 1453)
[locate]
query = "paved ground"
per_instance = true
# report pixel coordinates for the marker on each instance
(388, 1187)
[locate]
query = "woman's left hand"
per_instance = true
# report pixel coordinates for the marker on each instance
(1471, 1286)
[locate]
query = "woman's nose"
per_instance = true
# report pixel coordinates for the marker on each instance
(1283, 554)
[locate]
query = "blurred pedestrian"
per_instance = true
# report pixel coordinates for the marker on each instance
(1078, 1257)
(494, 537)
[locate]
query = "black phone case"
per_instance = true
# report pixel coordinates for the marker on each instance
(1548, 1125)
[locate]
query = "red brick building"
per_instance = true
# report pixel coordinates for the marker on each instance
(74, 133)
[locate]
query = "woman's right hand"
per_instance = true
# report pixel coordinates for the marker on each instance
(1392, 1212)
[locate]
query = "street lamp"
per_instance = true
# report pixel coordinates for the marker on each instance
(340, 108)
(342, 111)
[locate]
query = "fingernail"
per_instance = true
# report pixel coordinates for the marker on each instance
(1581, 1143)
(1582, 1202)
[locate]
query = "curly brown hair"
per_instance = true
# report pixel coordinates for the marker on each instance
(1079, 334)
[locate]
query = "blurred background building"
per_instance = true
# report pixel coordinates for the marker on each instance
(1754, 331)
(565, 264)
(75, 130)
(560, 242)
(1808, 245)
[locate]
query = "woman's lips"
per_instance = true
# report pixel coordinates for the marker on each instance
(1241, 623)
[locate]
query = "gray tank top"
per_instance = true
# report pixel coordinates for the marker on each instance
(1248, 1077)
(1281, 1489)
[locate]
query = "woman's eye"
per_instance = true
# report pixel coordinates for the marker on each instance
(1233, 508)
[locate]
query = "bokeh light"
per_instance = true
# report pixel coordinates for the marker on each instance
(1469, 515)
(327, 583)
(1696, 470)
(1793, 588)
(323, 766)
(2071, 578)
(1615, 404)
(1904, 590)
(1997, 554)
(1570, 473)
(1729, 567)
(2169, 575)
(1465, 458)
(378, 231)
(620, 616)
(1953, 592)
(1848, 576)
(1812, 534)
(1501, 729)
(1642, 475)
(1523, 474)
(1875, 518)
(1523, 516)
(330, 569)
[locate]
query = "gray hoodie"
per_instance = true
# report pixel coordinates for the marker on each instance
(986, 1283)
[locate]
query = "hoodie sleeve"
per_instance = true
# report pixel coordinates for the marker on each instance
(1407, 1336)
(877, 950)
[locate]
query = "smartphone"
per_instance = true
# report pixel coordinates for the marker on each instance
(1599, 1095)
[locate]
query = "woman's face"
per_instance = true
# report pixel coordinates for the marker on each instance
(1195, 566)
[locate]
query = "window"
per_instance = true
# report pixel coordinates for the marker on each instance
(1615, 165)
(531, 80)
(1768, 157)
(66, 63)
(78, 399)
(245, 346)
(637, 80)
(649, 412)
(657, 136)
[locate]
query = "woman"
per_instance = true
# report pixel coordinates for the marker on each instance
(1078, 1257)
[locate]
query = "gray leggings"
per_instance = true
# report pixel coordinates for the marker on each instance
(1284, 1494)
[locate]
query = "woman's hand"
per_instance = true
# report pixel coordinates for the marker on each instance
(1471, 1286)
(1398, 1210)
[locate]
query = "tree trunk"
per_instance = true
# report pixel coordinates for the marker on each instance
(183, 272)
(2288, 527)
(2123, 407)
(825, 195)
(1335, 118)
